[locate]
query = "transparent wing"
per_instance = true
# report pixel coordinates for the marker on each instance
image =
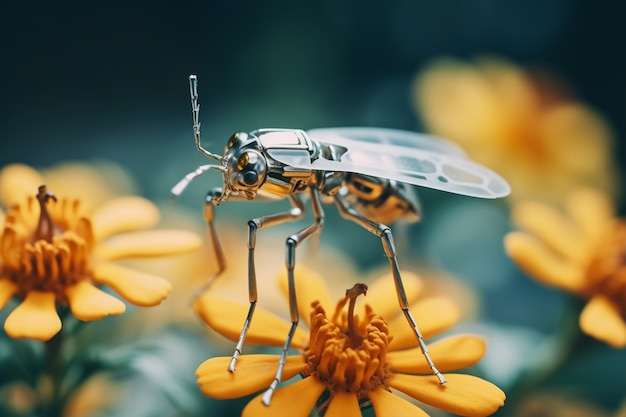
(402, 156)
(346, 136)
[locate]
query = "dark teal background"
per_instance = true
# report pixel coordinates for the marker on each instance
(108, 80)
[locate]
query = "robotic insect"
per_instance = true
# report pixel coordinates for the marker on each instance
(366, 172)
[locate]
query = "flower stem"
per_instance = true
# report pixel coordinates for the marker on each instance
(53, 400)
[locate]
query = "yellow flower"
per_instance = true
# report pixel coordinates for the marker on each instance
(53, 254)
(581, 251)
(354, 358)
(543, 142)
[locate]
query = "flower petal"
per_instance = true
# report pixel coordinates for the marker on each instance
(94, 182)
(601, 319)
(18, 181)
(294, 400)
(310, 287)
(534, 258)
(35, 318)
(148, 244)
(124, 214)
(551, 227)
(137, 287)
(90, 303)
(227, 318)
(7, 291)
(449, 354)
(465, 395)
(592, 210)
(432, 315)
(254, 373)
(387, 404)
(381, 294)
(343, 404)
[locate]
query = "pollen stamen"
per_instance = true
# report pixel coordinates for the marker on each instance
(347, 353)
(45, 227)
(47, 249)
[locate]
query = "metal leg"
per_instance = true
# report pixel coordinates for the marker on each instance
(209, 216)
(290, 260)
(384, 232)
(296, 213)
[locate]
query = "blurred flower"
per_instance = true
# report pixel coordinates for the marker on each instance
(54, 254)
(520, 125)
(352, 358)
(580, 251)
(541, 405)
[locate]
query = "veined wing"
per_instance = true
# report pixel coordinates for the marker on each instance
(387, 153)
(346, 136)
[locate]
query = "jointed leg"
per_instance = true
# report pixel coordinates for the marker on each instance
(384, 232)
(290, 260)
(294, 214)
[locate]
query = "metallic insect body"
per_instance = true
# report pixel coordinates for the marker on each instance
(365, 172)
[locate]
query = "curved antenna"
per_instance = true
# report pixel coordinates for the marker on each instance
(195, 110)
(178, 189)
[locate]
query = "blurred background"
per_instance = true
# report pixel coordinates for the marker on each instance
(91, 81)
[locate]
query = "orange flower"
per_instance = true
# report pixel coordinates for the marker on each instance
(580, 251)
(349, 358)
(541, 141)
(53, 254)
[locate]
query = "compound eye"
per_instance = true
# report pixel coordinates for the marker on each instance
(236, 138)
(243, 161)
(246, 165)
(233, 139)
(250, 177)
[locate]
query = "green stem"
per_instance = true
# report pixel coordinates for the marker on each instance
(55, 370)
(572, 343)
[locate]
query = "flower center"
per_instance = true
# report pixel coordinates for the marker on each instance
(46, 247)
(345, 352)
(607, 270)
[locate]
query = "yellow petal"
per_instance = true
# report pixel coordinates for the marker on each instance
(94, 183)
(381, 294)
(253, 373)
(89, 303)
(539, 262)
(387, 404)
(7, 291)
(310, 287)
(601, 319)
(592, 210)
(552, 227)
(465, 395)
(148, 244)
(137, 287)
(294, 400)
(124, 214)
(343, 404)
(449, 354)
(432, 315)
(227, 318)
(35, 318)
(18, 181)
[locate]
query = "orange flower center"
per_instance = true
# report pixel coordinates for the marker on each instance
(607, 270)
(46, 247)
(346, 353)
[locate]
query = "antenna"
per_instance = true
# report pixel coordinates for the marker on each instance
(195, 110)
(178, 189)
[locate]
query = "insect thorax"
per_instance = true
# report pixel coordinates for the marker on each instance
(282, 179)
